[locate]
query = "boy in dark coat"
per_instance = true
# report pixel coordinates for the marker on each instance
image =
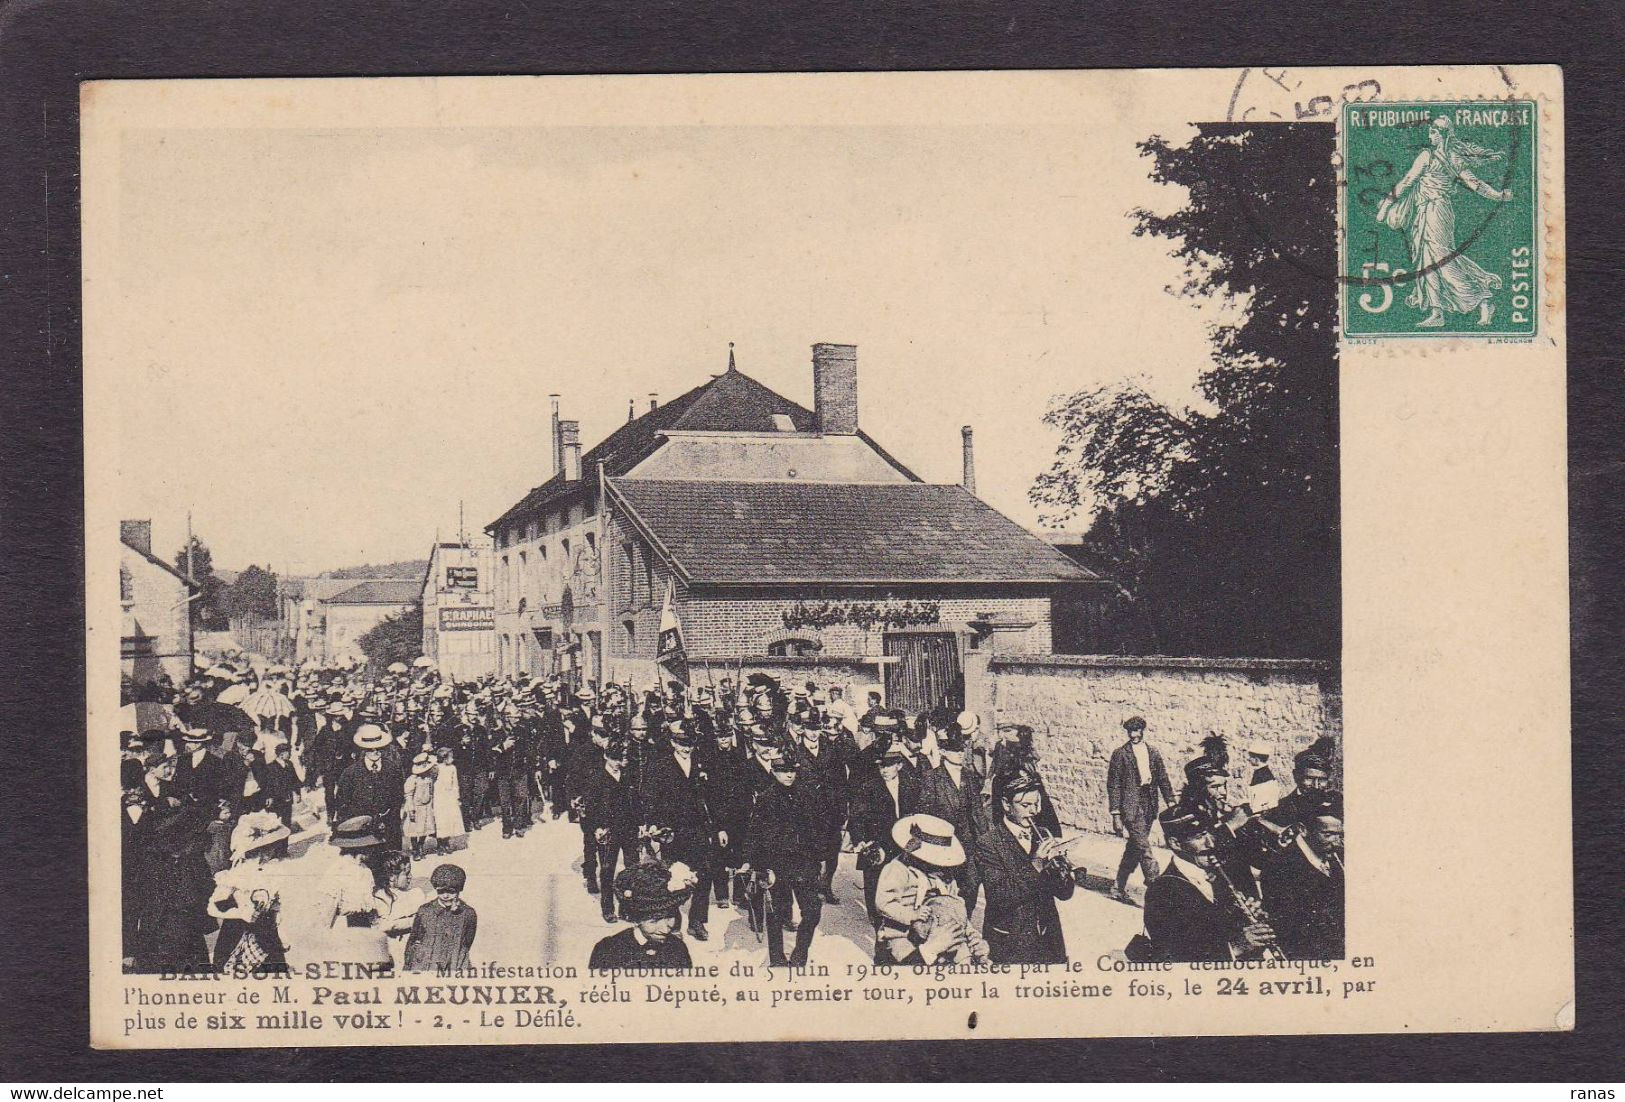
(444, 928)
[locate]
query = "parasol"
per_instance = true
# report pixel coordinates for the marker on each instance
(268, 704)
(423, 662)
(233, 694)
(217, 718)
(218, 671)
(397, 667)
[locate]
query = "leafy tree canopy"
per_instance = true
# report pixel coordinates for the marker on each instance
(398, 637)
(209, 611)
(1220, 517)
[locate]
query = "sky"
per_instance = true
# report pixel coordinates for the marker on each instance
(320, 337)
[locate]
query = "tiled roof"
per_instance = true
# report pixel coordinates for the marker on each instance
(379, 591)
(766, 533)
(730, 402)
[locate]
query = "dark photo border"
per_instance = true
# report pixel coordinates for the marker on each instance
(48, 46)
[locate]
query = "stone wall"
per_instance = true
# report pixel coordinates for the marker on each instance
(1076, 705)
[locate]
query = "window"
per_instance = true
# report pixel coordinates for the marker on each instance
(794, 648)
(630, 638)
(126, 585)
(532, 530)
(505, 583)
(592, 545)
(524, 577)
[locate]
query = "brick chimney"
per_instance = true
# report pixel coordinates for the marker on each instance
(136, 533)
(835, 388)
(558, 451)
(969, 453)
(570, 446)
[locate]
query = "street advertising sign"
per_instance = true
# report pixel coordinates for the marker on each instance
(462, 577)
(468, 619)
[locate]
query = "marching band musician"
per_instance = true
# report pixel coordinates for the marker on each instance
(1023, 880)
(1303, 887)
(1191, 913)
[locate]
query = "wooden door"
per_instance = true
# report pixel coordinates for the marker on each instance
(927, 673)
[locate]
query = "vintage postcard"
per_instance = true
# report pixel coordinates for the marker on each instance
(826, 556)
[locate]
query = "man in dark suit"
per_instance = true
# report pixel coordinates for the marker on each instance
(676, 794)
(1303, 886)
(373, 786)
(1135, 778)
(779, 845)
(610, 813)
(1022, 925)
(1190, 914)
(952, 790)
(880, 800)
(201, 775)
(821, 778)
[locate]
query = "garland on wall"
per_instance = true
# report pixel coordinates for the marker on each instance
(866, 615)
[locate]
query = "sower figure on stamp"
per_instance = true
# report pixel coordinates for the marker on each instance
(1135, 779)
(1422, 208)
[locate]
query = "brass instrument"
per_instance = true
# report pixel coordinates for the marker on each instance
(1059, 862)
(1252, 911)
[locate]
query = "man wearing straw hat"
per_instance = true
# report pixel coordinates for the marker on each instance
(372, 786)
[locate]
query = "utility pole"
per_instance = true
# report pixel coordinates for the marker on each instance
(189, 545)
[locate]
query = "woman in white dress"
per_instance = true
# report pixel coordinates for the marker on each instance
(1421, 208)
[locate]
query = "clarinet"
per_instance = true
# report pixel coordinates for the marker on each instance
(1252, 911)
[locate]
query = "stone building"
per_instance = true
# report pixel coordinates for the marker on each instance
(156, 602)
(785, 539)
(324, 617)
(459, 624)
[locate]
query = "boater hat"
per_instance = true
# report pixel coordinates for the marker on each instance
(370, 736)
(928, 839)
(423, 763)
(255, 831)
(355, 833)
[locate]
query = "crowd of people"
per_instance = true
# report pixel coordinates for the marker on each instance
(686, 799)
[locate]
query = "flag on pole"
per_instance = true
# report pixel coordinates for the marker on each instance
(669, 651)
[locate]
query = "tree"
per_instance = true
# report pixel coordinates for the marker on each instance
(254, 594)
(1221, 516)
(209, 611)
(398, 637)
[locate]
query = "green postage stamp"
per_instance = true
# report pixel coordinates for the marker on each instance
(1439, 219)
